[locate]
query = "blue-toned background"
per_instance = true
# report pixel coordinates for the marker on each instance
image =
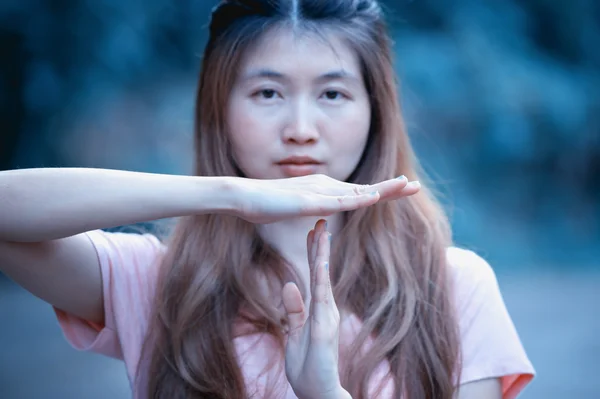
(502, 100)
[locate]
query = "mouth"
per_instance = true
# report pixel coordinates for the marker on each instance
(299, 166)
(299, 160)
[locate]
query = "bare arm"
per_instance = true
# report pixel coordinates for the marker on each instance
(52, 203)
(44, 211)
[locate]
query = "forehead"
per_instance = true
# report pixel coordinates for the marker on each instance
(300, 54)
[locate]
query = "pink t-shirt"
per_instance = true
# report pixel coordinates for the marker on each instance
(490, 344)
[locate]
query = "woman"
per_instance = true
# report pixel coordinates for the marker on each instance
(297, 120)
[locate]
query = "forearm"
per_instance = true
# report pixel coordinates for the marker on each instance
(50, 203)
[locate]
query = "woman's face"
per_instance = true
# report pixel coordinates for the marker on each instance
(298, 107)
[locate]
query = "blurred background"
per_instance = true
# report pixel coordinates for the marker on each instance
(501, 98)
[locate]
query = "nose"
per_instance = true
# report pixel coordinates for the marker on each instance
(300, 127)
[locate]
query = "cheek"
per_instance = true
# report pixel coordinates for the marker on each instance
(246, 129)
(251, 136)
(353, 132)
(349, 140)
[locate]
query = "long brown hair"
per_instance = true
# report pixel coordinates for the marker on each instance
(392, 256)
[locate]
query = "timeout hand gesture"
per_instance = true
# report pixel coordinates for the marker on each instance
(311, 357)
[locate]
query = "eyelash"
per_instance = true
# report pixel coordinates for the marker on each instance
(274, 92)
(337, 92)
(262, 91)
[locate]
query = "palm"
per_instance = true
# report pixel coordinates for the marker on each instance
(312, 348)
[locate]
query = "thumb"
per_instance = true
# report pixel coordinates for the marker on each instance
(294, 307)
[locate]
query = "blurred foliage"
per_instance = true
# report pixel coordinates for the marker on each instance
(502, 100)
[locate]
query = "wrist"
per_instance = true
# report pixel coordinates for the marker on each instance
(216, 194)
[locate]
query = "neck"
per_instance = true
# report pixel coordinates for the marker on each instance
(289, 237)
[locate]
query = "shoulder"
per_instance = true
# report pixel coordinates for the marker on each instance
(127, 248)
(129, 263)
(475, 290)
(466, 262)
(469, 272)
(491, 346)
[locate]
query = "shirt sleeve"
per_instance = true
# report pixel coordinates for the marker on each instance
(128, 264)
(491, 346)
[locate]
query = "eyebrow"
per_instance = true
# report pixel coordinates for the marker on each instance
(272, 74)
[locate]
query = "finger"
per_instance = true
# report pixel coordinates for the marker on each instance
(321, 289)
(323, 309)
(352, 202)
(318, 230)
(311, 248)
(326, 205)
(390, 188)
(294, 308)
(384, 187)
(310, 244)
(349, 203)
(320, 227)
(361, 188)
(411, 188)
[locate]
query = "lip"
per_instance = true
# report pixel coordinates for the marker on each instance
(299, 160)
(296, 166)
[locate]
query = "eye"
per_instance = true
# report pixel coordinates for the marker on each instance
(267, 94)
(333, 95)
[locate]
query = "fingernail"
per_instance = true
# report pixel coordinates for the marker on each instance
(329, 237)
(415, 184)
(374, 193)
(326, 225)
(327, 266)
(401, 177)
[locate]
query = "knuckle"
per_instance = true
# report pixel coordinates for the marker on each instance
(361, 189)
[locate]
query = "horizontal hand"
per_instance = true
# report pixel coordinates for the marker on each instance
(267, 201)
